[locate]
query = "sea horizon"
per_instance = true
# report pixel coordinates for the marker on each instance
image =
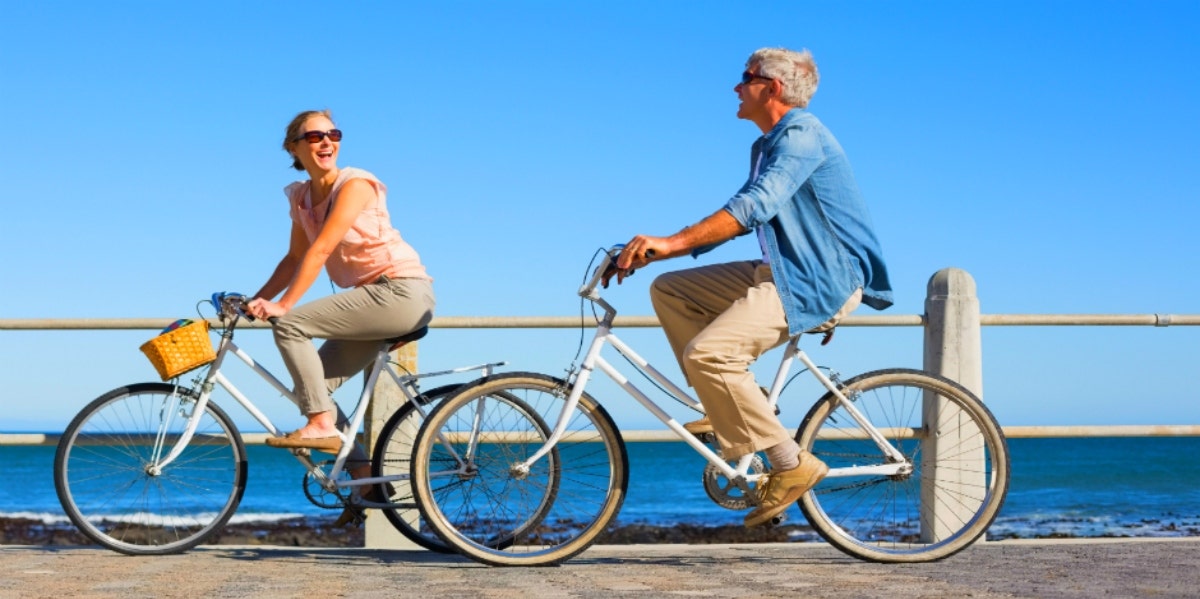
(1060, 487)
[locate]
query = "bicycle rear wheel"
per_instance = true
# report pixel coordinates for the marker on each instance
(468, 487)
(950, 492)
(107, 477)
(393, 453)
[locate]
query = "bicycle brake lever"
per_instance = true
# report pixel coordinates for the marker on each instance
(612, 269)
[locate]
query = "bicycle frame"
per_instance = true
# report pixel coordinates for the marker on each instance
(406, 383)
(739, 474)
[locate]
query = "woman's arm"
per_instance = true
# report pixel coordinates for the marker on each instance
(297, 245)
(351, 201)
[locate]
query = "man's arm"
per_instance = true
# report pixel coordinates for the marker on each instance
(643, 249)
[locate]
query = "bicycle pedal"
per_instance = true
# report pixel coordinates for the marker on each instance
(777, 520)
(351, 516)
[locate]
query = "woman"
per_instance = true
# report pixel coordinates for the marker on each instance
(339, 222)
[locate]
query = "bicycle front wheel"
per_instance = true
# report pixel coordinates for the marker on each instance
(110, 481)
(471, 483)
(952, 480)
(393, 452)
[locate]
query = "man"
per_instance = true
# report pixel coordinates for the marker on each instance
(820, 259)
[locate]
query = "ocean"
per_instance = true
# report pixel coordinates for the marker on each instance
(1075, 487)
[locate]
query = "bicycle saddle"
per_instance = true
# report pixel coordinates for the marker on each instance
(402, 340)
(828, 334)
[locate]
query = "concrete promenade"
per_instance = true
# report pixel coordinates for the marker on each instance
(1070, 568)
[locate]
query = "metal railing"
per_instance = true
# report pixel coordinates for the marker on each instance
(564, 322)
(1012, 432)
(528, 322)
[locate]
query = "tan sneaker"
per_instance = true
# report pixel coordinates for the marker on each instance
(782, 489)
(699, 427)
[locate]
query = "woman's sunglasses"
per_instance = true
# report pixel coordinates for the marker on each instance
(315, 137)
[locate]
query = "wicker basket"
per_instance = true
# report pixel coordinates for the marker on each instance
(178, 351)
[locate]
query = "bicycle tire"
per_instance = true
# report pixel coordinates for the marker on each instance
(515, 417)
(959, 477)
(393, 452)
(105, 486)
(498, 516)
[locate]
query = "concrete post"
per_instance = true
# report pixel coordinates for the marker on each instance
(952, 333)
(953, 350)
(387, 398)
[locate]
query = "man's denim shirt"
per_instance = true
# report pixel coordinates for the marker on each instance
(818, 232)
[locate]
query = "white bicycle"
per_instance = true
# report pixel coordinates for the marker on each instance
(157, 468)
(919, 467)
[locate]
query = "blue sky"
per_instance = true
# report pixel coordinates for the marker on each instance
(1047, 148)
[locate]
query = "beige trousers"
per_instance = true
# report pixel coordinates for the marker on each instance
(354, 324)
(719, 319)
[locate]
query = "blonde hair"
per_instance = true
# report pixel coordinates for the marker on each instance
(294, 131)
(797, 71)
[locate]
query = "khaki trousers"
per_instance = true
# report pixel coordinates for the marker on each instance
(719, 319)
(354, 324)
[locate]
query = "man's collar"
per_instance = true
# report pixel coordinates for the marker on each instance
(785, 121)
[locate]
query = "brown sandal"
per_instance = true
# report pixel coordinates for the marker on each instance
(293, 440)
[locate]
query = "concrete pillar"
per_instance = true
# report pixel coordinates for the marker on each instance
(953, 345)
(387, 398)
(953, 349)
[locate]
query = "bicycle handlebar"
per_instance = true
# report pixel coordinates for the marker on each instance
(234, 304)
(229, 304)
(606, 270)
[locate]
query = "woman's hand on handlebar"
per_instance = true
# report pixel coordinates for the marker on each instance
(264, 309)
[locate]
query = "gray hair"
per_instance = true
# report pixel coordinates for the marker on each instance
(797, 71)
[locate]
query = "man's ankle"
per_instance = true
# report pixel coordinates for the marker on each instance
(784, 456)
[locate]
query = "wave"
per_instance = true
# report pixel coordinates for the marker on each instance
(55, 519)
(1070, 525)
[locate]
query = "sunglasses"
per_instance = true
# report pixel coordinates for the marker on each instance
(747, 77)
(315, 137)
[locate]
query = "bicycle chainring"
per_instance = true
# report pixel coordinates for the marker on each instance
(318, 494)
(722, 490)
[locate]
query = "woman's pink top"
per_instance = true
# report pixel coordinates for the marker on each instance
(371, 248)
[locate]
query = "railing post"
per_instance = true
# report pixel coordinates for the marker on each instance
(953, 349)
(387, 398)
(952, 332)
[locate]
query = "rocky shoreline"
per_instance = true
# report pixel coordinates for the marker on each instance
(310, 532)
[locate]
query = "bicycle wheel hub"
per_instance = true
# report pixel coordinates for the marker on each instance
(519, 471)
(468, 472)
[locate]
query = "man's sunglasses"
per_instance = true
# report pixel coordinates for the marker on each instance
(747, 77)
(315, 137)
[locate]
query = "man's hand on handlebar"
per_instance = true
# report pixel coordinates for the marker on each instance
(640, 251)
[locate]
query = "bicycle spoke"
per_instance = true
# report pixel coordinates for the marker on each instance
(103, 481)
(955, 476)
